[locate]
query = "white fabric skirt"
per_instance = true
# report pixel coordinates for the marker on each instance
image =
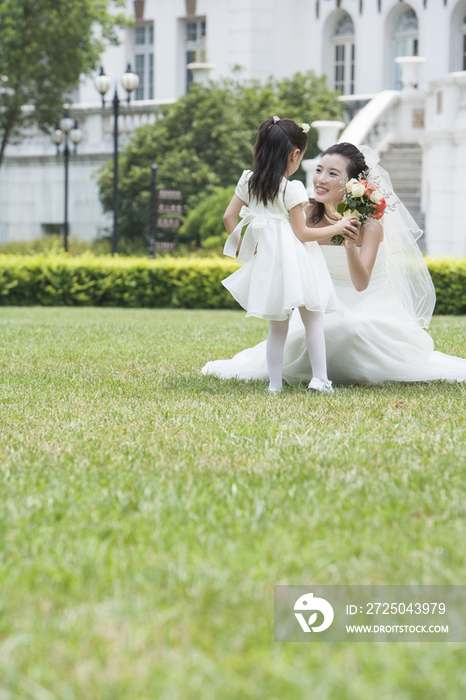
(283, 275)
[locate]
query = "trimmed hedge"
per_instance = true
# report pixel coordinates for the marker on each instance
(58, 280)
(449, 278)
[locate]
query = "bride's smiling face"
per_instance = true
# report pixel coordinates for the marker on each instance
(328, 177)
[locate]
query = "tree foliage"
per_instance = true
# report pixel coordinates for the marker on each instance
(204, 223)
(205, 139)
(45, 45)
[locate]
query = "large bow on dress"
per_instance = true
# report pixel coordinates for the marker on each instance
(255, 223)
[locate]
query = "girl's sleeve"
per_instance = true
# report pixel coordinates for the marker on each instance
(295, 193)
(242, 187)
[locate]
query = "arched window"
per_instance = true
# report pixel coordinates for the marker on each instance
(343, 55)
(405, 40)
(458, 37)
(463, 43)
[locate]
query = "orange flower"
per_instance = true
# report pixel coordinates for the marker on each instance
(379, 210)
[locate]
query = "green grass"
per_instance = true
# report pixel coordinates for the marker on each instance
(147, 511)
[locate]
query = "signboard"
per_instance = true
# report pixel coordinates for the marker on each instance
(164, 245)
(170, 209)
(170, 194)
(169, 223)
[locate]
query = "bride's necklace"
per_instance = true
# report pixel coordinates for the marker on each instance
(331, 221)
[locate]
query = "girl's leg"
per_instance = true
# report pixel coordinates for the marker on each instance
(315, 341)
(275, 347)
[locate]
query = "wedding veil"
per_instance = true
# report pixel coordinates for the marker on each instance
(407, 273)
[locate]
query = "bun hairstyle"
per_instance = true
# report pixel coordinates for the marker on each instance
(356, 166)
(275, 141)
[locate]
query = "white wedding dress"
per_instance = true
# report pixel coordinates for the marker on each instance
(372, 339)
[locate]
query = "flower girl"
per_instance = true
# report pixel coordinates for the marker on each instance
(283, 265)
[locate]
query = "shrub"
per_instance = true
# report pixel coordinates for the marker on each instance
(449, 278)
(105, 281)
(204, 223)
(191, 283)
(54, 245)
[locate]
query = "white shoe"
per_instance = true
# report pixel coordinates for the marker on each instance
(320, 386)
(273, 392)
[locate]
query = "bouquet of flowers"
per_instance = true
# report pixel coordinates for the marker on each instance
(361, 199)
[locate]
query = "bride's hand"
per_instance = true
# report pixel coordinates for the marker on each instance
(351, 232)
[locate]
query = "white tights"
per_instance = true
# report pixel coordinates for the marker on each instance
(315, 342)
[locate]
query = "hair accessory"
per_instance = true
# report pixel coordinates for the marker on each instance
(305, 127)
(276, 119)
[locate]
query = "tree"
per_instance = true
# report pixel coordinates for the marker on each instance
(45, 45)
(204, 224)
(205, 139)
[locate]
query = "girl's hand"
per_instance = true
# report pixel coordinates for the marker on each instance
(351, 232)
(342, 225)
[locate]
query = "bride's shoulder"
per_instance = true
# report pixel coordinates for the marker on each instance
(372, 231)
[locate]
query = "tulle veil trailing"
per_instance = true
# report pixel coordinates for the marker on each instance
(407, 273)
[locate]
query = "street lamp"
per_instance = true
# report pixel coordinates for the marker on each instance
(102, 82)
(66, 129)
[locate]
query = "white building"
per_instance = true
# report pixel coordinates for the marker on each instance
(353, 42)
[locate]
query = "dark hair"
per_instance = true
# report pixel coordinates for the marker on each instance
(356, 166)
(274, 144)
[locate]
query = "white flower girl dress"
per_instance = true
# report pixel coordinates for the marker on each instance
(279, 273)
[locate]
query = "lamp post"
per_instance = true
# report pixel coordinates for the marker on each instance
(130, 81)
(153, 210)
(66, 129)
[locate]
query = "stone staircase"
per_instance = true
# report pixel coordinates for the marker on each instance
(404, 164)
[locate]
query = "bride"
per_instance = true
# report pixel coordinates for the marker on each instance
(384, 288)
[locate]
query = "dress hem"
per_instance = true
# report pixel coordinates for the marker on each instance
(286, 312)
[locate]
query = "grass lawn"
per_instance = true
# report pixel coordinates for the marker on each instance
(146, 513)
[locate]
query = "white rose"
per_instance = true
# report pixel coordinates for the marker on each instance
(350, 184)
(357, 190)
(376, 197)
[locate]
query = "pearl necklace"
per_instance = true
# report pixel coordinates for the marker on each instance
(331, 221)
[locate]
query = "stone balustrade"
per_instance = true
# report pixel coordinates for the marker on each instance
(96, 123)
